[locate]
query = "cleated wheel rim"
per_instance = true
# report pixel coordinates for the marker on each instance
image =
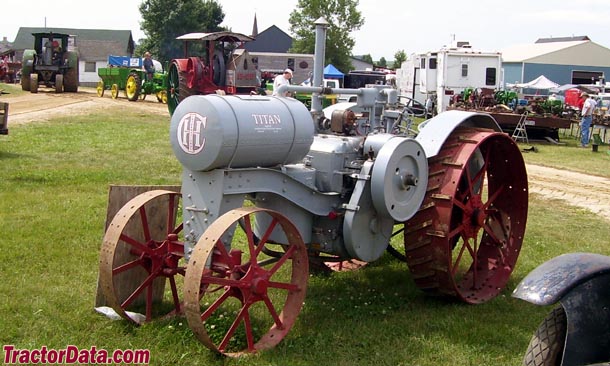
(466, 238)
(238, 299)
(141, 253)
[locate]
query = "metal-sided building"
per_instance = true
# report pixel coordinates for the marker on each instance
(566, 60)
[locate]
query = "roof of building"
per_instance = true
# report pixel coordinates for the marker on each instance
(586, 53)
(90, 42)
(272, 39)
(562, 39)
(525, 52)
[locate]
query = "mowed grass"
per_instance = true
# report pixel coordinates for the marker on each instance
(54, 179)
(568, 155)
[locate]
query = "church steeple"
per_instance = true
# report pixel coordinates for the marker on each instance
(254, 28)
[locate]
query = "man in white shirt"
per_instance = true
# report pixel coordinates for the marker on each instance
(283, 79)
(587, 117)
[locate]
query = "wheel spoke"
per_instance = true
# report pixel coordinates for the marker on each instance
(250, 237)
(493, 198)
(141, 246)
(456, 263)
(225, 258)
(263, 240)
(145, 227)
(172, 284)
(283, 286)
(215, 305)
(126, 266)
(223, 281)
(242, 313)
(475, 263)
(147, 282)
(282, 260)
(458, 230)
(273, 312)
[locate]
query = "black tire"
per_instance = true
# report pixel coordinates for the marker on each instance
(71, 74)
(546, 345)
(25, 82)
(220, 70)
(34, 83)
(59, 83)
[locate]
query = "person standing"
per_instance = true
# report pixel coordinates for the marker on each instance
(283, 79)
(586, 118)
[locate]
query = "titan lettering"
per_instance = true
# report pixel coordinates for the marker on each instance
(267, 119)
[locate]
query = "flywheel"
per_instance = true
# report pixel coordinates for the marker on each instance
(466, 238)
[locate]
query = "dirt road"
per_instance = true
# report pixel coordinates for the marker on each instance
(585, 191)
(46, 105)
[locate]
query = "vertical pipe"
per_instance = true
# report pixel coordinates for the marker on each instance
(318, 62)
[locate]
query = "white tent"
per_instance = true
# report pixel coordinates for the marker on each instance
(541, 82)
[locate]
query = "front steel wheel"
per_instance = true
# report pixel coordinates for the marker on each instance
(142, 251)
(239, 299)
(465, 239)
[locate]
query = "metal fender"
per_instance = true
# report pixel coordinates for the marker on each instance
(580, 281)
(434, 132)
(552, 280)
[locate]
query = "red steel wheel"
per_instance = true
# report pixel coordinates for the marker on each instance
(237, 298)
(141, 249)
(466, 237)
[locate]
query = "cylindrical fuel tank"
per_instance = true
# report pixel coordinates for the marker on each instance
(213, 131)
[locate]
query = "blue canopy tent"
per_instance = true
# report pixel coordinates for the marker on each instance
(331, 72)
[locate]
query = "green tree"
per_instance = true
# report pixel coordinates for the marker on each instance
(399, 57)
(343, 18)
(164, 20)
(382, 62)
(367, 58)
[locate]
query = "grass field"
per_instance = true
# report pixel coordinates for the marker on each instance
(54, 182)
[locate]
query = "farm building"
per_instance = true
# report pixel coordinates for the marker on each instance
(93, 46)
(270, 49)
(566, 60)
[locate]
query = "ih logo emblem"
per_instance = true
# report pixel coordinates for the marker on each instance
(190, 133)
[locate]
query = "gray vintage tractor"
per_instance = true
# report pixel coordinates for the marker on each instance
(50, 64)
(270, 189)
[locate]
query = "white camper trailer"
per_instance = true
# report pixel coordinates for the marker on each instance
(449, 71)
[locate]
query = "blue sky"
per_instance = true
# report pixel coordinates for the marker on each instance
(390, 25)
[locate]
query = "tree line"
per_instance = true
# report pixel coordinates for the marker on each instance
(164, 20)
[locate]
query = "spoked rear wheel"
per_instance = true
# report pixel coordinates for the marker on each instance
(140, 251)
(466, 238)
(237, 298)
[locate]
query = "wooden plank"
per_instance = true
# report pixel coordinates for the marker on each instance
(3, 118)
(118, 196)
